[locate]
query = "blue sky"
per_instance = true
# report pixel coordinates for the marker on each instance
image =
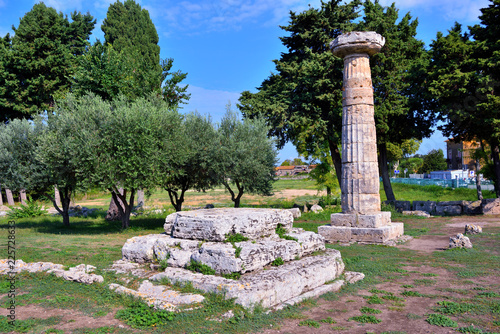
(227, 46)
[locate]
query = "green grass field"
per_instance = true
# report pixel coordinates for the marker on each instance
(98, 242)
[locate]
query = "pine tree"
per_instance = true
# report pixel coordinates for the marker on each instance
(38, 61)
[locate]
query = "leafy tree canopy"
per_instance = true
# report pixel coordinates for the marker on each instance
(38, 61)
(433, 161)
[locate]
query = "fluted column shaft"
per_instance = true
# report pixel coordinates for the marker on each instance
(360, 178)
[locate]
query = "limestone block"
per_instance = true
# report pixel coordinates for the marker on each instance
(309, 241)
(379, 235)
(269, 287)
(491, 206)
(400, 206)
(352, 277)
(256, 255)
(373, 220)
(472, 207)
(416, 213)
(453, 208)
(473, 229)
(178, 251)
(427, 206)
(460, 241)
(215, 224)
(140, 249)
(10, 198)
(218, 256)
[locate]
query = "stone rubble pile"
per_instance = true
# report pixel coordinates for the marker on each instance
(81, 273)
(460, 241)
(242, 242)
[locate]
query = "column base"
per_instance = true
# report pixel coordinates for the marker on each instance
(373, 220)
(378, 235)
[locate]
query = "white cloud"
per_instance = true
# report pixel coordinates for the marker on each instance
(457, 10)
(217, 15)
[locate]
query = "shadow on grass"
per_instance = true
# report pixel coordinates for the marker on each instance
(84, 226)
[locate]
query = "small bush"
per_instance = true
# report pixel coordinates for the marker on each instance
(139, 315)
(234, 276)
(412, 294)
(200, 268)
(309, 323)
(369, 310)
(366, 319)
(28, 210)
(236, 237)
(328, 320)
(441, 320)
(470, 330)
(280, 231)
(277, 262)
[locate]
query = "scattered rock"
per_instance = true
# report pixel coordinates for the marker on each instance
(295, 212)
(473, 229)
(126, 267)
(209, 206)
(80, 273)
(352, 277)
(3, 213)
(418, 213)
(460, 241)
(316, 208)
(472, 207)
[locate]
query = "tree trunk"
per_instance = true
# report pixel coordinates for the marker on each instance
(174, 200)
(337, 160)
(65, 201)
(1, 199)
(496, 166)
(126, 209)
(113, 211)
(384, 171)
(478, 182)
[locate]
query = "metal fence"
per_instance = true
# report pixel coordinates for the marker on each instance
(456, 183)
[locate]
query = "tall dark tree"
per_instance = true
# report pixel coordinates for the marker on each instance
(129, 28)
(302, 101)
(398, 75)
(39, 60)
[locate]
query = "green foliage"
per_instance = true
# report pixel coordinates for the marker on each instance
(374, 300)
(234, 276)
(309, 323)
(40, 59)
(200, 268)
(369, 310)
(235, 237)
(410, 293)
(281, 232)
(440, 320)
(31, 209)
(433, 161)
(122, 143)
(139, 315)
(328, 320)
(244, 155)
(447, 307)
(470, 330)
(193, 159)
(277, 262)
(366, 319)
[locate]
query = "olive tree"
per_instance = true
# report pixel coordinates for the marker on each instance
(244, 157)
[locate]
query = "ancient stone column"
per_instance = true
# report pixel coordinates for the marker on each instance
(22, 196)
(57, 197)
(361, 219)
(10, 198)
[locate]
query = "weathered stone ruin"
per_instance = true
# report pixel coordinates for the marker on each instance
(242, 244)
(361, 219)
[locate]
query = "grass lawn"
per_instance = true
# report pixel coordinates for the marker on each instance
(404, 288)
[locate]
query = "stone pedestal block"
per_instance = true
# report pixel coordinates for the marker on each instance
(217, 224)
(22, 196)
(378, 235)
(377, 219)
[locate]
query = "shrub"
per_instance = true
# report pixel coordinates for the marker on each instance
(441, 320)
(30, 209)
(139, 315)
(200, 268)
